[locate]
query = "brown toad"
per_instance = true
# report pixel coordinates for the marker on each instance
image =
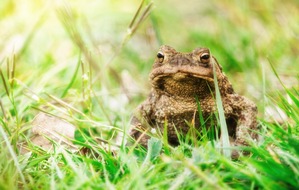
(180, 81)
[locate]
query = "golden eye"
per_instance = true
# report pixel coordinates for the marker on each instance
(160, 57)
(205, 57)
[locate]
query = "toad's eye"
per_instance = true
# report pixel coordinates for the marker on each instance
(160, 57)
(205, 57)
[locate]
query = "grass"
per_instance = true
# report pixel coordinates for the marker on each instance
(88, 63)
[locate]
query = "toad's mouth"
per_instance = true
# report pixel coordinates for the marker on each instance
(181, 77)
(182, 73)
(183, 84)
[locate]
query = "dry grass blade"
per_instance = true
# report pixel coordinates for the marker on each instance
(67, 17)
(135, 24)
(65, 105)
(4, 82)
(3, 111)
(68, 107)
(144, 15)
(12, 71)
(137, 13)
(132, 28)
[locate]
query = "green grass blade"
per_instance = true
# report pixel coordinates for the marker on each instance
(223, 127)
(73, 78)
(13, 155)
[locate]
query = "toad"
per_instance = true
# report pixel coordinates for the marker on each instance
(183, 91)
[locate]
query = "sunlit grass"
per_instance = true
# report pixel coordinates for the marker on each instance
(76, 60)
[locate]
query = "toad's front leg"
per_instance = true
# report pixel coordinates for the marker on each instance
(245, 112)
(141, 123)
(139, 131)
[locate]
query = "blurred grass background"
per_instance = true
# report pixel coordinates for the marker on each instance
(84, 54)
(244, 36)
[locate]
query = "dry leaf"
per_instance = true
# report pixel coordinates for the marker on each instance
(46, 128)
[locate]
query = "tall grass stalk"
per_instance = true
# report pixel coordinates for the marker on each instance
(223, 127)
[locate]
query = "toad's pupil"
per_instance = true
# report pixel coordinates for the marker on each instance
(160, 55)
(205, 56)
